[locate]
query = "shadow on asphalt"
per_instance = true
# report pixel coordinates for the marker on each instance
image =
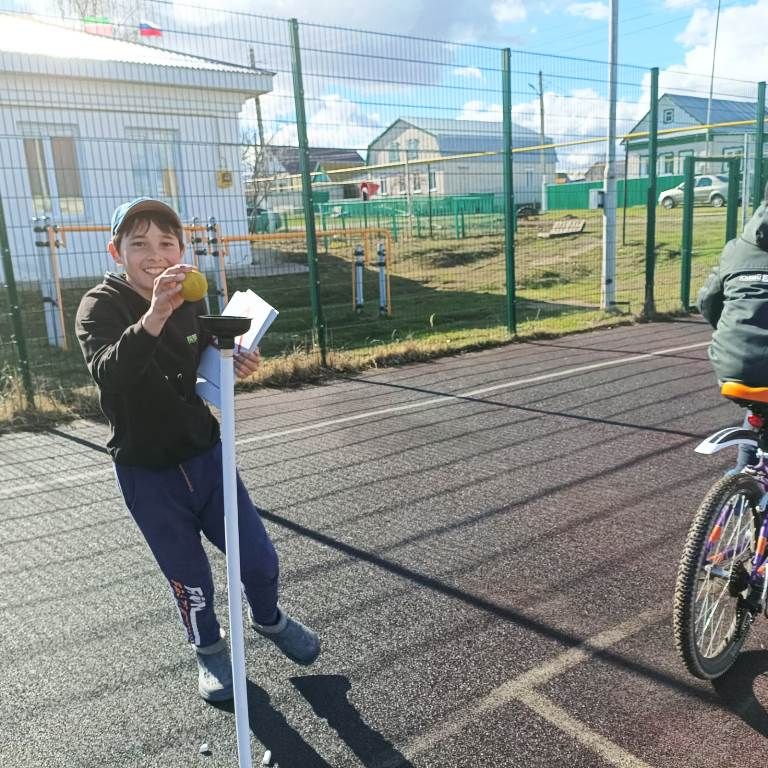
(327, 695)
(736, 690)
(271, 728)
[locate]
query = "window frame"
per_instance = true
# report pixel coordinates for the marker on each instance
(52, 175)
(143, 136)
(668, 115)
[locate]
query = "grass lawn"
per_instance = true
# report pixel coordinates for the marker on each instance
(446, 293)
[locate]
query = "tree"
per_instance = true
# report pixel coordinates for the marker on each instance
(125, 15)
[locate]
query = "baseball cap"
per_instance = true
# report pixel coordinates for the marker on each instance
(142, 205)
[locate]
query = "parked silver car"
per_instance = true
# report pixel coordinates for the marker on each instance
(707, 190)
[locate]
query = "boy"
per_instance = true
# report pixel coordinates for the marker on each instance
(142, 343)
(735, 302)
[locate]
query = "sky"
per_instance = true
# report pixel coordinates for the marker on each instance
(441, 59)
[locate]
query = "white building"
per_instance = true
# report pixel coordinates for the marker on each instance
(423, 155)
(87, 122)
(681, 133)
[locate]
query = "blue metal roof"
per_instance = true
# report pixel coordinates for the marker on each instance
(723, 110)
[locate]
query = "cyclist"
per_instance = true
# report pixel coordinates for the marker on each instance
(735, 302)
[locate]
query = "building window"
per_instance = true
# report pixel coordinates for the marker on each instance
(416, 182)
(668, 163)
(413, 149)
(432, 181)
(383, 186)
(643, 169)
(668, 116)
(54, 176)
(730, 152)
(681, 155)
(401, 185)
(394, 152)
(154, 164)
(528, 179)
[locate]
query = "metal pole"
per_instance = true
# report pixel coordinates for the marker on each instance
(509, 200)
(543, 140)
(686, 249)
(649, 306)
(733, 199)
(757, 181)
(744, 180)
(608, 292)
(232, 545)
(18, 326)
(711, 84)
(318, 324)
(624, 215)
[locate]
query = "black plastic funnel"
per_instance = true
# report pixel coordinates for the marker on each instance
(225, 328)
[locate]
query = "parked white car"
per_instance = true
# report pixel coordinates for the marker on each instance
(707, 190)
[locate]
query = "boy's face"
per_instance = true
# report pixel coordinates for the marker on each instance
(145, 252)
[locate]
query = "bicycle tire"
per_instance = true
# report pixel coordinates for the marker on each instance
(689, 573)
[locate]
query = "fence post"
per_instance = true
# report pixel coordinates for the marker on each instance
(18, 326)
(757, 189)
(686, 249)
(731, 212)
(509, 200)
(318, 324)
(649, 307)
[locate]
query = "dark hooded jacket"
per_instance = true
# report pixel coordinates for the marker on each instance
(146, 384)
(735, 302)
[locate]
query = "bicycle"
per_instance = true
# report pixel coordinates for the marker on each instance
(721, 579)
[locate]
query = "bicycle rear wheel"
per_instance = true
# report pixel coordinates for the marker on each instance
(710, 618)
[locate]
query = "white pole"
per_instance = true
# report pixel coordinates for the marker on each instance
(744, 180)
(232, 542)
(608, 292)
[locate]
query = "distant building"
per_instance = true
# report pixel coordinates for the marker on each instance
(596, 171)
(677, 111)
(278, 185)
(415, 154)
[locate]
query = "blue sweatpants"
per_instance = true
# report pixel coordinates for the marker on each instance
(172, 507)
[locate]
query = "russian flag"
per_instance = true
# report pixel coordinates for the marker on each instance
(147, 29)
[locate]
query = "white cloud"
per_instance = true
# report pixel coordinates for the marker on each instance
(741, 57)
(505, 11)
(592, 10)
(479, 110)
(468, 72)
(337, 122)
(677, 4)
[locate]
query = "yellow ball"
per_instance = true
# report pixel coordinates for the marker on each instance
(194, 287)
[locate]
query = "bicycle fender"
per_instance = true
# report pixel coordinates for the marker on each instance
(725, 438)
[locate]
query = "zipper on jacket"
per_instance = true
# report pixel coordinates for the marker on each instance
(186, 478)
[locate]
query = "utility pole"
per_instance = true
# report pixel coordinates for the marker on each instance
(608, 289)
(711, 84)
(543, 141)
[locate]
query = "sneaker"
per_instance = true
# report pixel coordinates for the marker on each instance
(297, 642)
(214, 679)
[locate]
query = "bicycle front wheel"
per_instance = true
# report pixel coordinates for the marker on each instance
(710, 619)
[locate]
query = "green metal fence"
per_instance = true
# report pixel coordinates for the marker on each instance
(390, 195)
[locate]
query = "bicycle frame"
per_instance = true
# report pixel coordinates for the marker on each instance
(725, 438)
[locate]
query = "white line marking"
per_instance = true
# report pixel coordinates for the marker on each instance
(442, 399)
(521, 688)
(470, 393)
(610, 752)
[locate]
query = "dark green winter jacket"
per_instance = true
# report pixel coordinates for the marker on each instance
(735, 302)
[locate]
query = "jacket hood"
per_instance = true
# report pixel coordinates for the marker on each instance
(118, 281)
(756, 231)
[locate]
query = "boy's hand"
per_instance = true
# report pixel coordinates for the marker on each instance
(246, 362)
(166, 298)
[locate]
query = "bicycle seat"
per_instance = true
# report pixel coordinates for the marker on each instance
(735, 390)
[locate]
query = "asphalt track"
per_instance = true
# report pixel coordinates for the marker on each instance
(486, 543)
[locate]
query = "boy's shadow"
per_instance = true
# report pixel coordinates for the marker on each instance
(736, 690)
(327, 695)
